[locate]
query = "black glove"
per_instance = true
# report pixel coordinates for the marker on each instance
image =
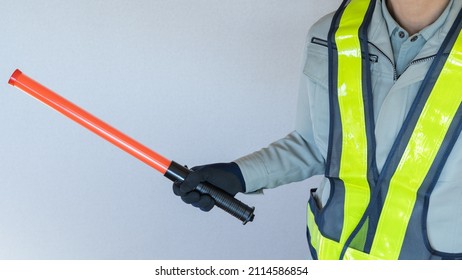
(226, 176)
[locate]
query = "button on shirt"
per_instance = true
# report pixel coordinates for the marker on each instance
(406, 46)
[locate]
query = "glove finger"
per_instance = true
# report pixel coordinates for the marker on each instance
(205, 203)
(191, 181)
(176, 190)
(191, 197)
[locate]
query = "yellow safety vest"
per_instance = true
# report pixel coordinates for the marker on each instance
(379, 216)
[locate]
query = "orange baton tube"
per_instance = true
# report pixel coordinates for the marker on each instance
(168, 168)
(70, 110)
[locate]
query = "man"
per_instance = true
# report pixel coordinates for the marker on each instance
(379, 116)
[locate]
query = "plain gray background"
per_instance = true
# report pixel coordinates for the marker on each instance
(198, 81)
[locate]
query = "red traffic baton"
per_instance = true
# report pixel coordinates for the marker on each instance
(170, 169)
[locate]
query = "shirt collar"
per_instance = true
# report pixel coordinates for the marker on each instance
(426, 33)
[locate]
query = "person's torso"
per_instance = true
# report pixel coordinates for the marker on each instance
(392, 99)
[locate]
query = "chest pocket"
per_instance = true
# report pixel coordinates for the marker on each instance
(316, 64)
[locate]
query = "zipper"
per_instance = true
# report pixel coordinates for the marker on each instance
(395, 73)
(319, 41)
(423, 59)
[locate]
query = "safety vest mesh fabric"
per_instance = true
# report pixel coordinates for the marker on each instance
(370, 215)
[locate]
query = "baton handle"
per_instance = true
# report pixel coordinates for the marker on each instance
(177, 173)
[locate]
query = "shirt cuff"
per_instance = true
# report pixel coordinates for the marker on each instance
(254, 172)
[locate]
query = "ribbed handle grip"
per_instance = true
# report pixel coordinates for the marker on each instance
(225, 201)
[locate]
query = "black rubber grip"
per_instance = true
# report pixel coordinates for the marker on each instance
(223, 200)
(227, 202)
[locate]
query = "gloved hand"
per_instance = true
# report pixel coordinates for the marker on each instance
(226, 176)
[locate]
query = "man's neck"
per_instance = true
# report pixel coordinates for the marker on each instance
(415, 15)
